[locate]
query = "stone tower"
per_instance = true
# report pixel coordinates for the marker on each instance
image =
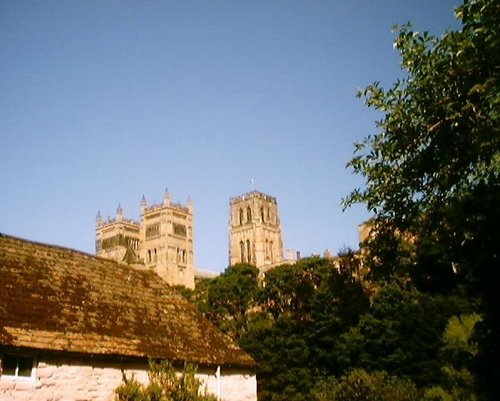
(118, 238)
(162, 241)
(255, 231)
(167, 240)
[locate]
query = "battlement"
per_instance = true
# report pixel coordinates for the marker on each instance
(111, 221)
(176, 206)
(252, 194)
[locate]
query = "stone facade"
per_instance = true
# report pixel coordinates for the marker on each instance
(59, 378)
(161, 241)
(255, 231)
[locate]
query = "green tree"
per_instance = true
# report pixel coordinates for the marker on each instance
(456, 354)
(231, 296)
(432, 170)
(199, 295)
(358, 385)
(402, 334)
(280, 347)
(164, 385)
(304, 309)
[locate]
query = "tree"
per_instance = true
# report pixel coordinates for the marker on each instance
(402, 334)
(198, 296)
(304, 309)
(358, 385)
(164, 385)
(456, 354)
(432, 171)
(438, 140)
(231, 296)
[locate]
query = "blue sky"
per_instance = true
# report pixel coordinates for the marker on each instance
(104, 101)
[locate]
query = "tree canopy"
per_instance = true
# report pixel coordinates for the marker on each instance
(432, 168)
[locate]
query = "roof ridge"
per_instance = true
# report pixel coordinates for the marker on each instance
(46, 244)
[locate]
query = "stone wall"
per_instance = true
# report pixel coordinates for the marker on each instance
(63, 379)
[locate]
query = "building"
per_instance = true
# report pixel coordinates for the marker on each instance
(71, 323)
(161, 241)
(255, 231)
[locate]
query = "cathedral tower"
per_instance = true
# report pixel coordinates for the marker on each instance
(162, 241)
(255, 231)
(118, 238)
(167, 240)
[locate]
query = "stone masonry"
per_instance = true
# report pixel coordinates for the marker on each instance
(161, 241)
(255, 231)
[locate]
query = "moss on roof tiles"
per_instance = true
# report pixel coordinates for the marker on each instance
(59, 299)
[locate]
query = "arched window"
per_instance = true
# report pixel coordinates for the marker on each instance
(271, 250)
(249, 215)
(262, 214)
(149, 256)
(267, 249)
(242, 252)
(249, 252)
(241, 216)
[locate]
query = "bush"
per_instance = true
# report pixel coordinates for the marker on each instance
(358, 385)
(164, 385)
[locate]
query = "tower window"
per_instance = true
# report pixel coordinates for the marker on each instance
(242, 252)
(262, 214)
(152, 230)
(241, 216)
(249, 215)
(249, 252)
(179, 229)
(181, 256)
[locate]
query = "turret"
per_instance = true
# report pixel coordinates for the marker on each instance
(144, 204)
(119, 213)
(98, 219)
(167, 199)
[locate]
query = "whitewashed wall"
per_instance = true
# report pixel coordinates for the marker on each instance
(62, 379)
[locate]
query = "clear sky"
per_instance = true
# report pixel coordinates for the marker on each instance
(104, 101)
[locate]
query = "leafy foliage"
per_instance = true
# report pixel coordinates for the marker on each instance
(303, 309)
(439, 138)
(456, 354)
(433, 169)
(230, 296)
(164, 385)
(402, 333)
(358, 385)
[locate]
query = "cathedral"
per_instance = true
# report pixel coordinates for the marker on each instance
(163, 238)
(255, 231)
(161, 241)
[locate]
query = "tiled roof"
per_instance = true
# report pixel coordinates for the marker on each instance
(58, 299)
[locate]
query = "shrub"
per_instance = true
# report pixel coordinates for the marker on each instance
(164, 385)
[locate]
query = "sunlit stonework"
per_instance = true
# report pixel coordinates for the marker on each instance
(255, 231)
(161, 241)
